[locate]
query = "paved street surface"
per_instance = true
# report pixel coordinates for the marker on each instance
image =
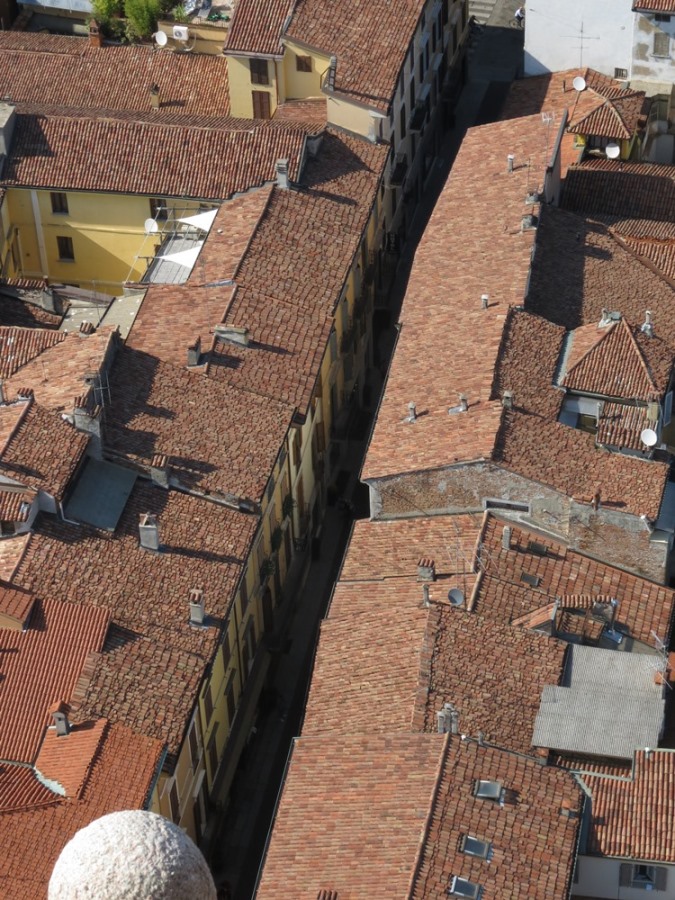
(495, 59)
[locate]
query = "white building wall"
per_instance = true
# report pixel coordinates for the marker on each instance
(578, 33)
(653, 50)
(599, 878)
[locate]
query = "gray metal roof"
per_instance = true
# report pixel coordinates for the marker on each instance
(608, 705)
(100, 494)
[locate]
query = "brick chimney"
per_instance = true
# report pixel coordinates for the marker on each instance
(281, 168)
(194, 352)
(95, 36)
(154, 96)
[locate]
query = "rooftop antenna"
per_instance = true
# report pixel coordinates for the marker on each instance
(583, 37)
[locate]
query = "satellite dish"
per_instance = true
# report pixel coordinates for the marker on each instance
(612, 151)
(160, 38)
(649, 437)
(456, 597)
(579, 83)
(151, 227)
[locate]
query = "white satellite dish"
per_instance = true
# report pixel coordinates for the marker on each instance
(456, 597)
(151, 227)
(612, 151)
(160, 38)
(579, 83)
(649, 437)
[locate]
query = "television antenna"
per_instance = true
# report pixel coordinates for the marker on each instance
(581, 38)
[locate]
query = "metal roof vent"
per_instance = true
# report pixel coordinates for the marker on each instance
(412, 412)
(510, 159)
(461, 407)
(484, 301)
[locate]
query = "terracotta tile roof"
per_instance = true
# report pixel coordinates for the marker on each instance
(32, 836)
(442, 319)
(302, 110)
(351, 816)
(443, 655)
(41, 665)
(15, 506)
(43, 451)
(15, 604)
(287, 313)
(66, 760)
(626, 189)
(210, 160)
(614, 367)
(11, 554)
(362, 75)
(527, 364)
(57, 374)
(196, 307)
(554, 92)
(659, 251)
(20, 345)
(14, 313)
(582, 764)
(502, 595)
(40, 68)
(158, 408)
(20, 789)
(620, 426)
(383, 816)
(599, 266)
(666, 6)
(633, 817)
(150, 668)
(546, 803)
(617, 119)
(143, 684)
(256, 27)
(391, 548)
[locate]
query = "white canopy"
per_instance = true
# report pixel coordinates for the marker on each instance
(184, 257)
(202, 220)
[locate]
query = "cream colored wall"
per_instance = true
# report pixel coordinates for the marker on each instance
(598, 877)
(107, 231)
(349, 116)
(302, 85)
(204, 37)
(239, 78)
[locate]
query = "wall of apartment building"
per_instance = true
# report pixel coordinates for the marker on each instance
(106, 234)
(594, 33)
(245, 81)
(653, 51)
(302, 72)
(203, 37)
(613, 537)
(617, 879)
(181, 796)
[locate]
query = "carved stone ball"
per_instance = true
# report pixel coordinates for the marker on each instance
(131, 855)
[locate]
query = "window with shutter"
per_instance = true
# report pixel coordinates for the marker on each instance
(208, 704)
(173, 802)
(261, 105)
(661, 44)
(259, 71)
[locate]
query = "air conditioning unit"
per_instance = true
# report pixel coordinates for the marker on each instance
(180, 33)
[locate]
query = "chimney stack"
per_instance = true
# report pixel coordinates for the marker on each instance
(510, 159)
(95, 36)
(196, 600)
(506, 538)
(59, 712)
(448, 719)
(426, 601)
(507, 399)
(648, 326)
(148, 532)
(154, 96)
(7, 121)
(194, 352)
(159, 470)
(232, 333)
(281, 167)
(426, 569)
(463, 402)
(484, 301)
(412, 412)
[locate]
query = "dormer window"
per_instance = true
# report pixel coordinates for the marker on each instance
(461, 887)
(489, 790)
(580, 412)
